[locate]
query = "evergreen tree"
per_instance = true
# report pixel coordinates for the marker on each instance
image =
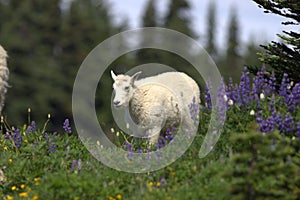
(283, 56)
(86, 24)
(177, 17)
(149, 20)
(250, 57)
(31, 37)
(211, 30)
(46, 47)
(232, 65)
(150, 15)
(264, 167)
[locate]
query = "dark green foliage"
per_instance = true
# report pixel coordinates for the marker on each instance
(283, 56)
(150, 15)
(211, 30)
(232, 52)
(149, 20)
(46, 45)
(31, 37)
(230, 65)
(264, 167)
(251, 57)
(177, 17)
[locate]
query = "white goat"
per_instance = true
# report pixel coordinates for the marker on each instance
(4, 74)
(156, 102)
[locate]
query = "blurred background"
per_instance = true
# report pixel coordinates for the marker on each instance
(48, 40)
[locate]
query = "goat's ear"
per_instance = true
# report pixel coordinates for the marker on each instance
(135, 76)
(113, 76)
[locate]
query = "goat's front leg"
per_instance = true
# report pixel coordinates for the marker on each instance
(154, 135)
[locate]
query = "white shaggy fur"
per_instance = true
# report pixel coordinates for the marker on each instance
(4, 74)
(156, 102)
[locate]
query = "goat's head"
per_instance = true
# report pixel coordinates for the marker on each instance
(124, 88)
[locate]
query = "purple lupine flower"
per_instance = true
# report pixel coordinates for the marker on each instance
(284, 90)
(194, 111)
(245, 87)
(52, 148)
(222, 103)
(298, 129)
(128, 146)
(259, 82)
(76, 165)
(272, 82)
(31, 128)
(208, 100)
(277, 118)
(17, 138)
(169, 135)
(272, 106)
(232, 91)
(66, 126)
(7, 136)
(140, 151)
(161, 143)
(289, 124)
(163, 181)
(51, 144)
(259, 116)
(269, 86)
(296, 94)
(267, 126)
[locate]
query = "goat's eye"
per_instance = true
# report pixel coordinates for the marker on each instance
(126, 88)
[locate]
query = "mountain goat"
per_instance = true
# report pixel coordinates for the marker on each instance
(4, 73)
(156, 102)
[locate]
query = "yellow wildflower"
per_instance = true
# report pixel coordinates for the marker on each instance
(35, 197)
(23, 194)
(13, 188)
(26, 141)
(111, 198)
(10, 160)
(36, 179)
(150, 183)
(9, 197)
(158, 184)
(5, 148)
(119, 196)
(170, 168)
(22, 186)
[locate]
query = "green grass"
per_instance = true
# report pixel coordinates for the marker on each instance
(228, 172)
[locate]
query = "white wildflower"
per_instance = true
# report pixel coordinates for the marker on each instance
(252, 112)
(230, 102)
(112, 130)
(127, 125)
(262, 96)
(118, 134)
(225, 98)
